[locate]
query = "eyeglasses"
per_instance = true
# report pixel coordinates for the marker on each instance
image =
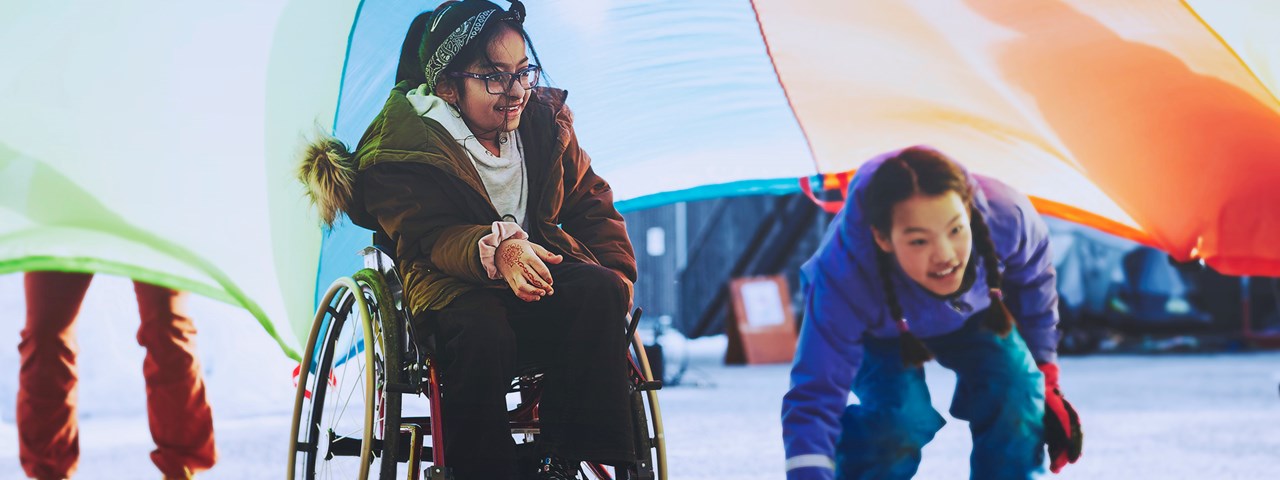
(501, 82)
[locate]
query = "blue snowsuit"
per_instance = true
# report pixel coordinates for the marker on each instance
(849, 342)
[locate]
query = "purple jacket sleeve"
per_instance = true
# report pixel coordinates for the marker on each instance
(1030, 281)
(826, 361)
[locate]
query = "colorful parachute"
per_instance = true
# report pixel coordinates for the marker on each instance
(1152, 119)
(157, 139)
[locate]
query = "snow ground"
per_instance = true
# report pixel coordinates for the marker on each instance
(1172, 416)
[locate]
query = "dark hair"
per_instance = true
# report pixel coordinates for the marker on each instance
(478, 49)
(924, 171)
(416, 49)
(410, 67)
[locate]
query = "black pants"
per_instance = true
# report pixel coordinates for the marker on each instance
(577, 333)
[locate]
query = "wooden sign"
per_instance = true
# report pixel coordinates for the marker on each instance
(762, 328)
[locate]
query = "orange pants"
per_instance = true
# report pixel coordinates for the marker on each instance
(180, 418)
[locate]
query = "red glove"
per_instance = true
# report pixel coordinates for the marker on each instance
(1061, 424)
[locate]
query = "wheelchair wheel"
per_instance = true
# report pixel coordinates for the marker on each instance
(343, 414)
(651, 444)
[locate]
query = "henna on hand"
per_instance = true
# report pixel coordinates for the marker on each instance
(532, 277)
(510, 256)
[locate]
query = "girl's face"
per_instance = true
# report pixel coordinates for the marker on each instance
(931, 240)
(486, 113)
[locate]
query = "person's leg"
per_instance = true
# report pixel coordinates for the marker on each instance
(1000, 392)
(579, 334)
(177, 406)
(881, 436)
(476, 351)
(48, 438)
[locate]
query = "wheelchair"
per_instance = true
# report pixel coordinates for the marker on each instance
(350, 417)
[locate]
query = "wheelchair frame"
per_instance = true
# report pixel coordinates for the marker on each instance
(383, 318)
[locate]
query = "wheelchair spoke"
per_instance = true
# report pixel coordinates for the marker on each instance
(346, 368)
(350, 393)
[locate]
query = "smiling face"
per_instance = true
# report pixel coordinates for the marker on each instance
(931, 239)
(488, 114)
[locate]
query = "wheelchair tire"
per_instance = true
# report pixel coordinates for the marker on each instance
(337, 433)
(651, 445)
(391, 332)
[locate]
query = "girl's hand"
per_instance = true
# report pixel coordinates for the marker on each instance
(523, 264)
(1061, 423)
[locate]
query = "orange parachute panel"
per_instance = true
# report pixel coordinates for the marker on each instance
(1132, 116)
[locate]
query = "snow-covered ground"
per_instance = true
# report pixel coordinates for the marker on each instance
(1170, 417)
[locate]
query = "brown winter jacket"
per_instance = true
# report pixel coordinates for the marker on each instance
(416, 184)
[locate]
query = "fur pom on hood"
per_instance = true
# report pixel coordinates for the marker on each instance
(328, 170)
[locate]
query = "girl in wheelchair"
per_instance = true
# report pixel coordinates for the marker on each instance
(509, 244)
(922, 241)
